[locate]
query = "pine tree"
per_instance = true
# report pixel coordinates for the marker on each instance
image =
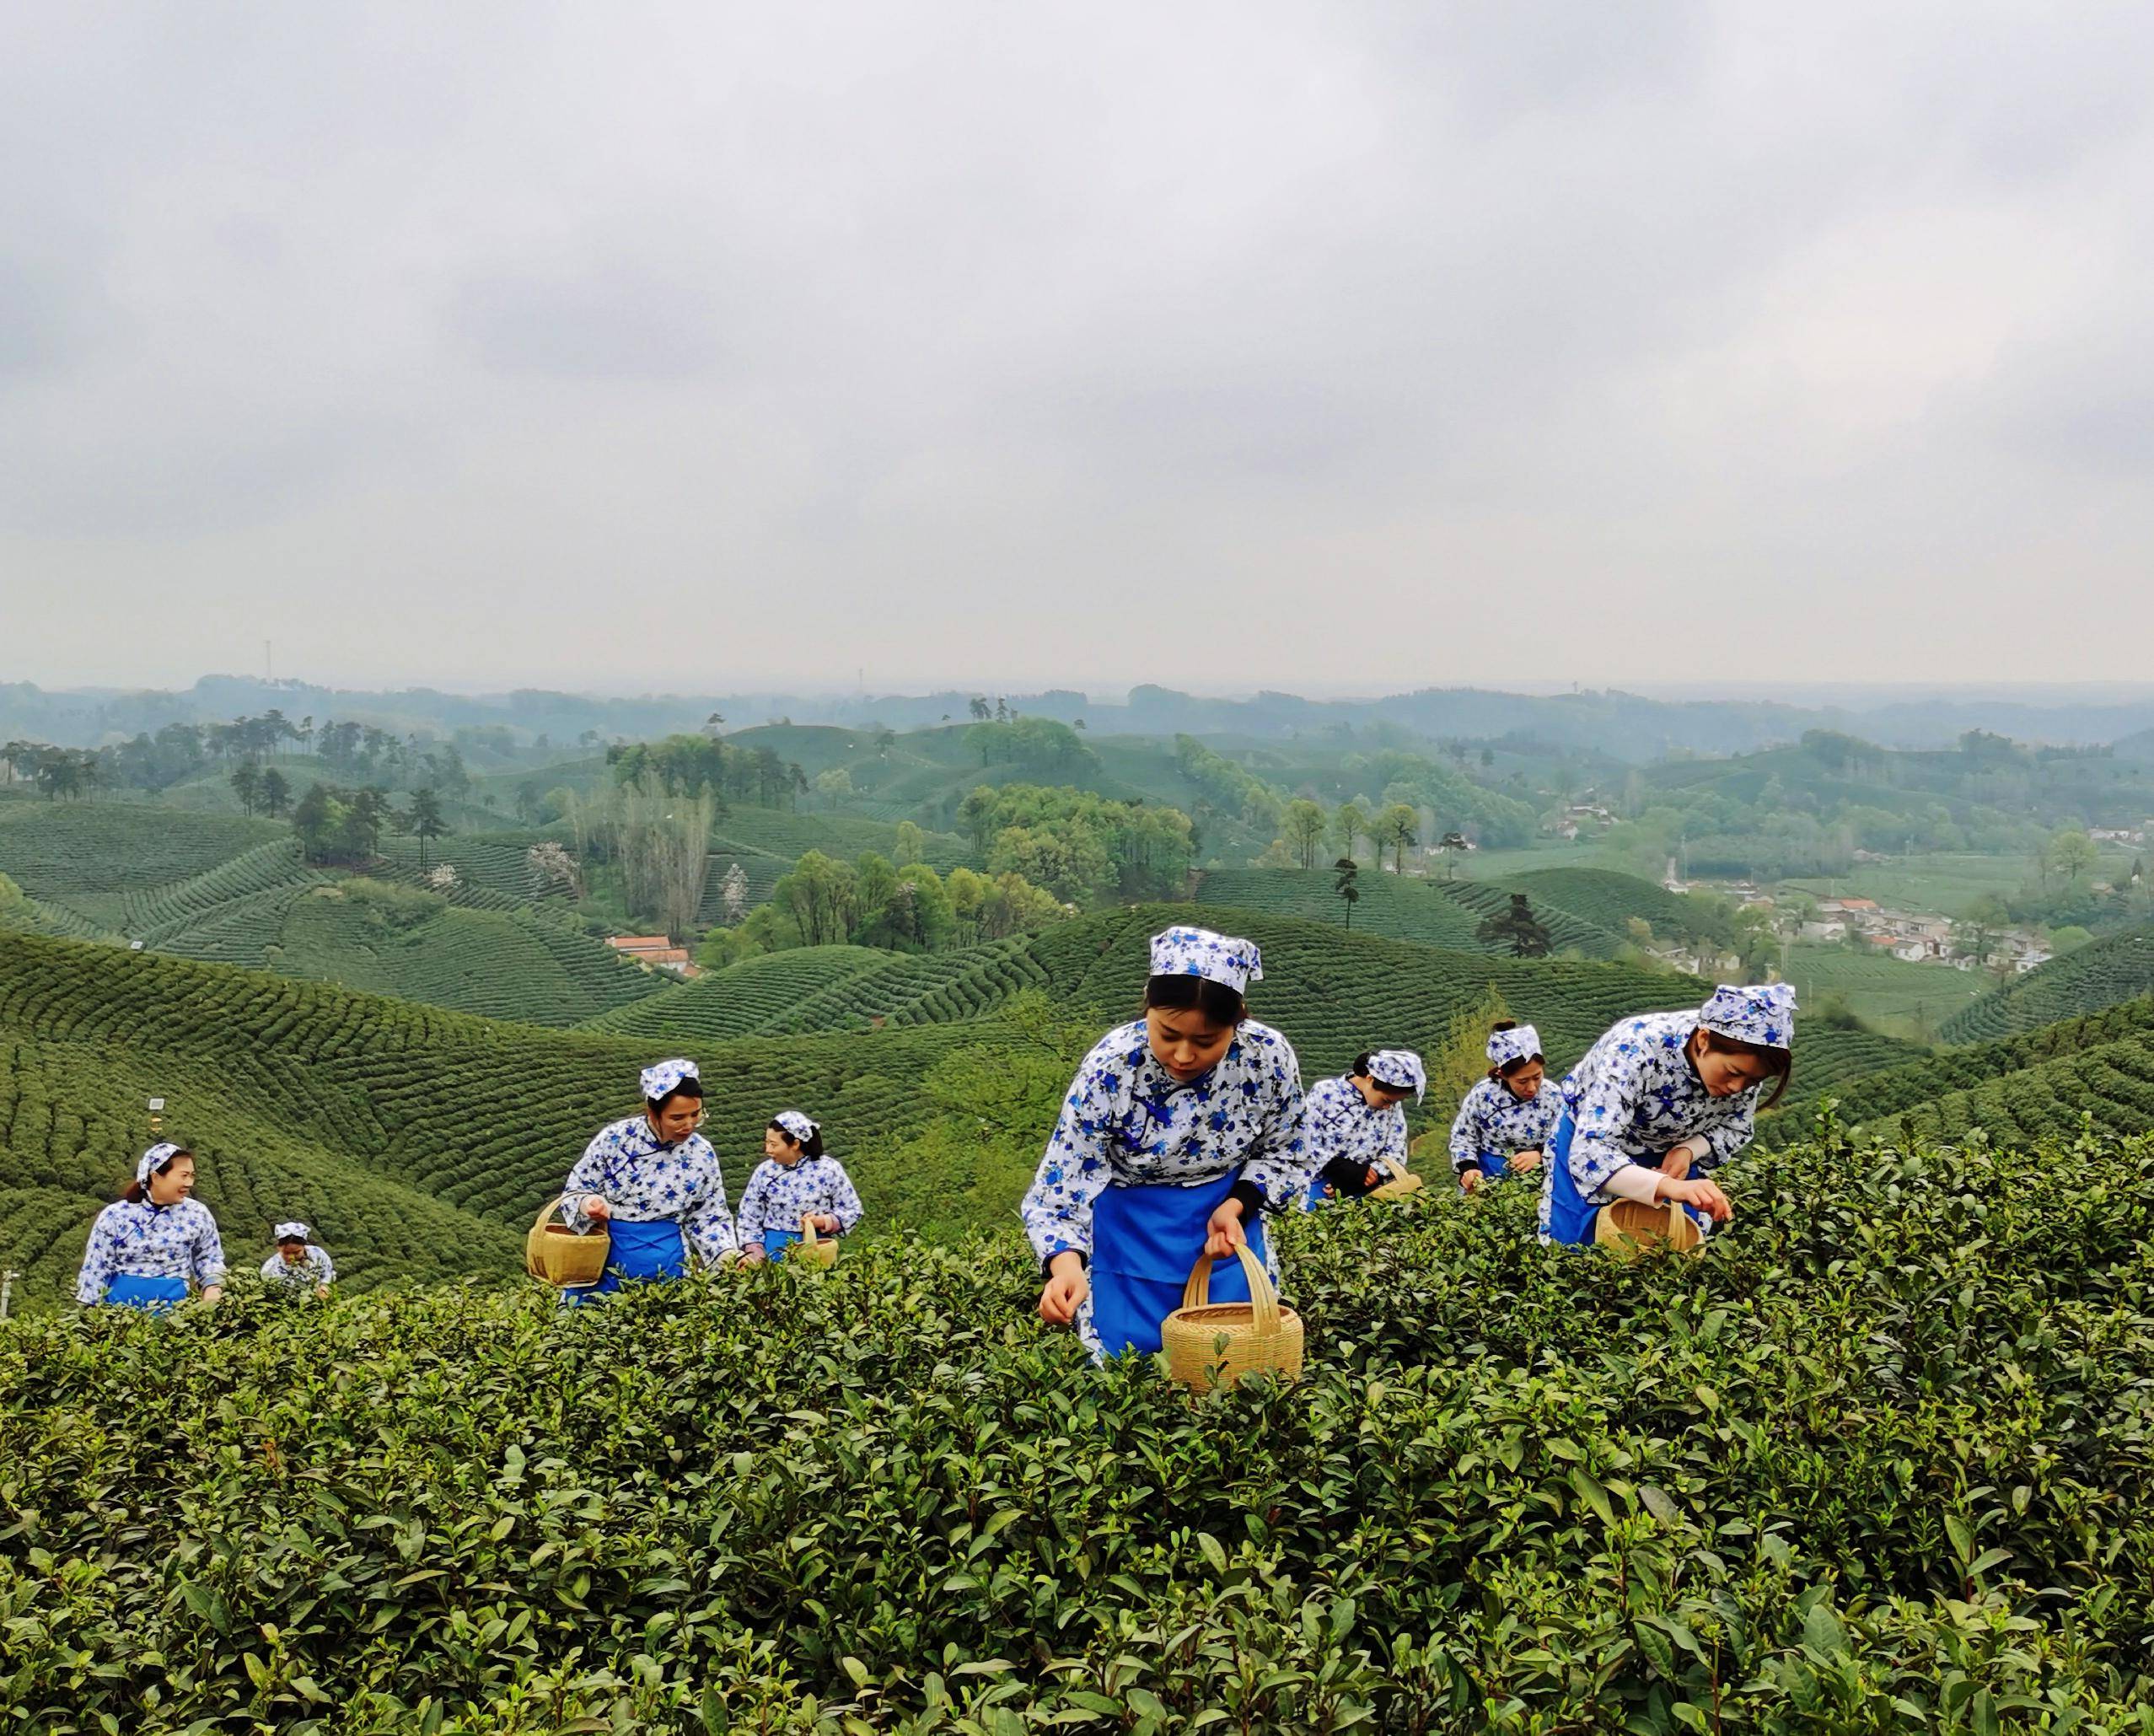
(1518, 927)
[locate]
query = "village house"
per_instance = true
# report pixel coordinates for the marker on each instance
(657, 952)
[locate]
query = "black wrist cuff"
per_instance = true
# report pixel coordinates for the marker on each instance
(1252, 1199)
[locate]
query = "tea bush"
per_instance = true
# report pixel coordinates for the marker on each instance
(1881, 1458)
(1893, 1089)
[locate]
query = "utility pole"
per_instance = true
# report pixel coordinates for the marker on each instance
(7, 1289)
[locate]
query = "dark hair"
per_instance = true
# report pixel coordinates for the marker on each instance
(1360, 1070)
(691, 1087)
(1184, 993)
(811, 1147)
(135, 1192)
(1780, 1063)
(1519, 1063)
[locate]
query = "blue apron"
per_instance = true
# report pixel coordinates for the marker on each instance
(1495, 1166)
(152, 1296)
(1570, 1215)
(648, 1253)
(1319, 1194)
(776, 1241)
(1144, 1241)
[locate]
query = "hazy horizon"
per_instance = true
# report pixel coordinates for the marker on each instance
(1226, 346)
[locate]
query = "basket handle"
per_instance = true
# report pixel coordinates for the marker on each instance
(547, 1213)
(1264, 1300)
(808, 1228)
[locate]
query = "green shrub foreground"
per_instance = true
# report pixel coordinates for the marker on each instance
(1879, 1463)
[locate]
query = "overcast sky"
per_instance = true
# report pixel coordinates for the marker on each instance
(1335, 347)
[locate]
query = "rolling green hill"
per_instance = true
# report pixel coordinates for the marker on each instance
(1445, 913)
(418, 1141)
(2098, 975)
(1334, 993)
(1873, 1096)
(1603, 896)
(1914, 1000)
(91, 857)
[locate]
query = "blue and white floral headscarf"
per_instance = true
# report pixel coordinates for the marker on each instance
(294, 1232)
(154, 1159)
(1522, 1042)
(1761, 1012)
(1398, 1070)
(662, 1080)
(1199, 952)
(798, 1125)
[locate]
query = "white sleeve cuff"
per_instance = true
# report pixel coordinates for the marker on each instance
(1634, 1181)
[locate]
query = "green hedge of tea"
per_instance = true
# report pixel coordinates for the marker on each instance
(1882, 1459)
(92, 857)
(2098, 975)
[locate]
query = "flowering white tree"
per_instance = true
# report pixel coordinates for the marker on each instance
(551, 865)
(444, 878)
(734, 894)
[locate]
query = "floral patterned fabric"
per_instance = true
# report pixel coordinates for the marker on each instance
(314, 1267)
(1763, 1013)
(1494, 1122)
(644, 1181)
(1337, 1122)
(778, 1194)
(1398, 1070)
(1202, 952)
(134, 1238)
(1128, 1120)
(658, 1081)
(1522, 1042)
(1635, 1095)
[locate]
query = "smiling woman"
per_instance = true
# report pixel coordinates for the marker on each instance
(1181, 1129)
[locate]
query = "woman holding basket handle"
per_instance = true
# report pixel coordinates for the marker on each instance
(1661, 1102)
(1181, 1129)
(653, 1182)
(797, 1178)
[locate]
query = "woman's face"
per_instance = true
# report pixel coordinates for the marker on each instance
(173, 1182)
(1183, 1041)
(677, 1117)
(1525, 1084)
(294, 1252)
(1725, 1073)
(779, 1148)
(1378, 1096)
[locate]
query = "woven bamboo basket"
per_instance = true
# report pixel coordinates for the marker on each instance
(1630, 1228)
(557, 1256)
(811, 1247)
(1403, 1183)
(1208, 1343)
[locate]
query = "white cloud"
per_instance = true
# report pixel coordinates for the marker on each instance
(1226, 344)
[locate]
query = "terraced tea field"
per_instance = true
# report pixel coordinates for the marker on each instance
(2101, 974)
(369, 1117)
(89, 857)
(1908, 1000)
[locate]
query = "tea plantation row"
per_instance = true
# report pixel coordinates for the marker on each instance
(1443, 913)
(1882, 1458)
(2101, 974)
